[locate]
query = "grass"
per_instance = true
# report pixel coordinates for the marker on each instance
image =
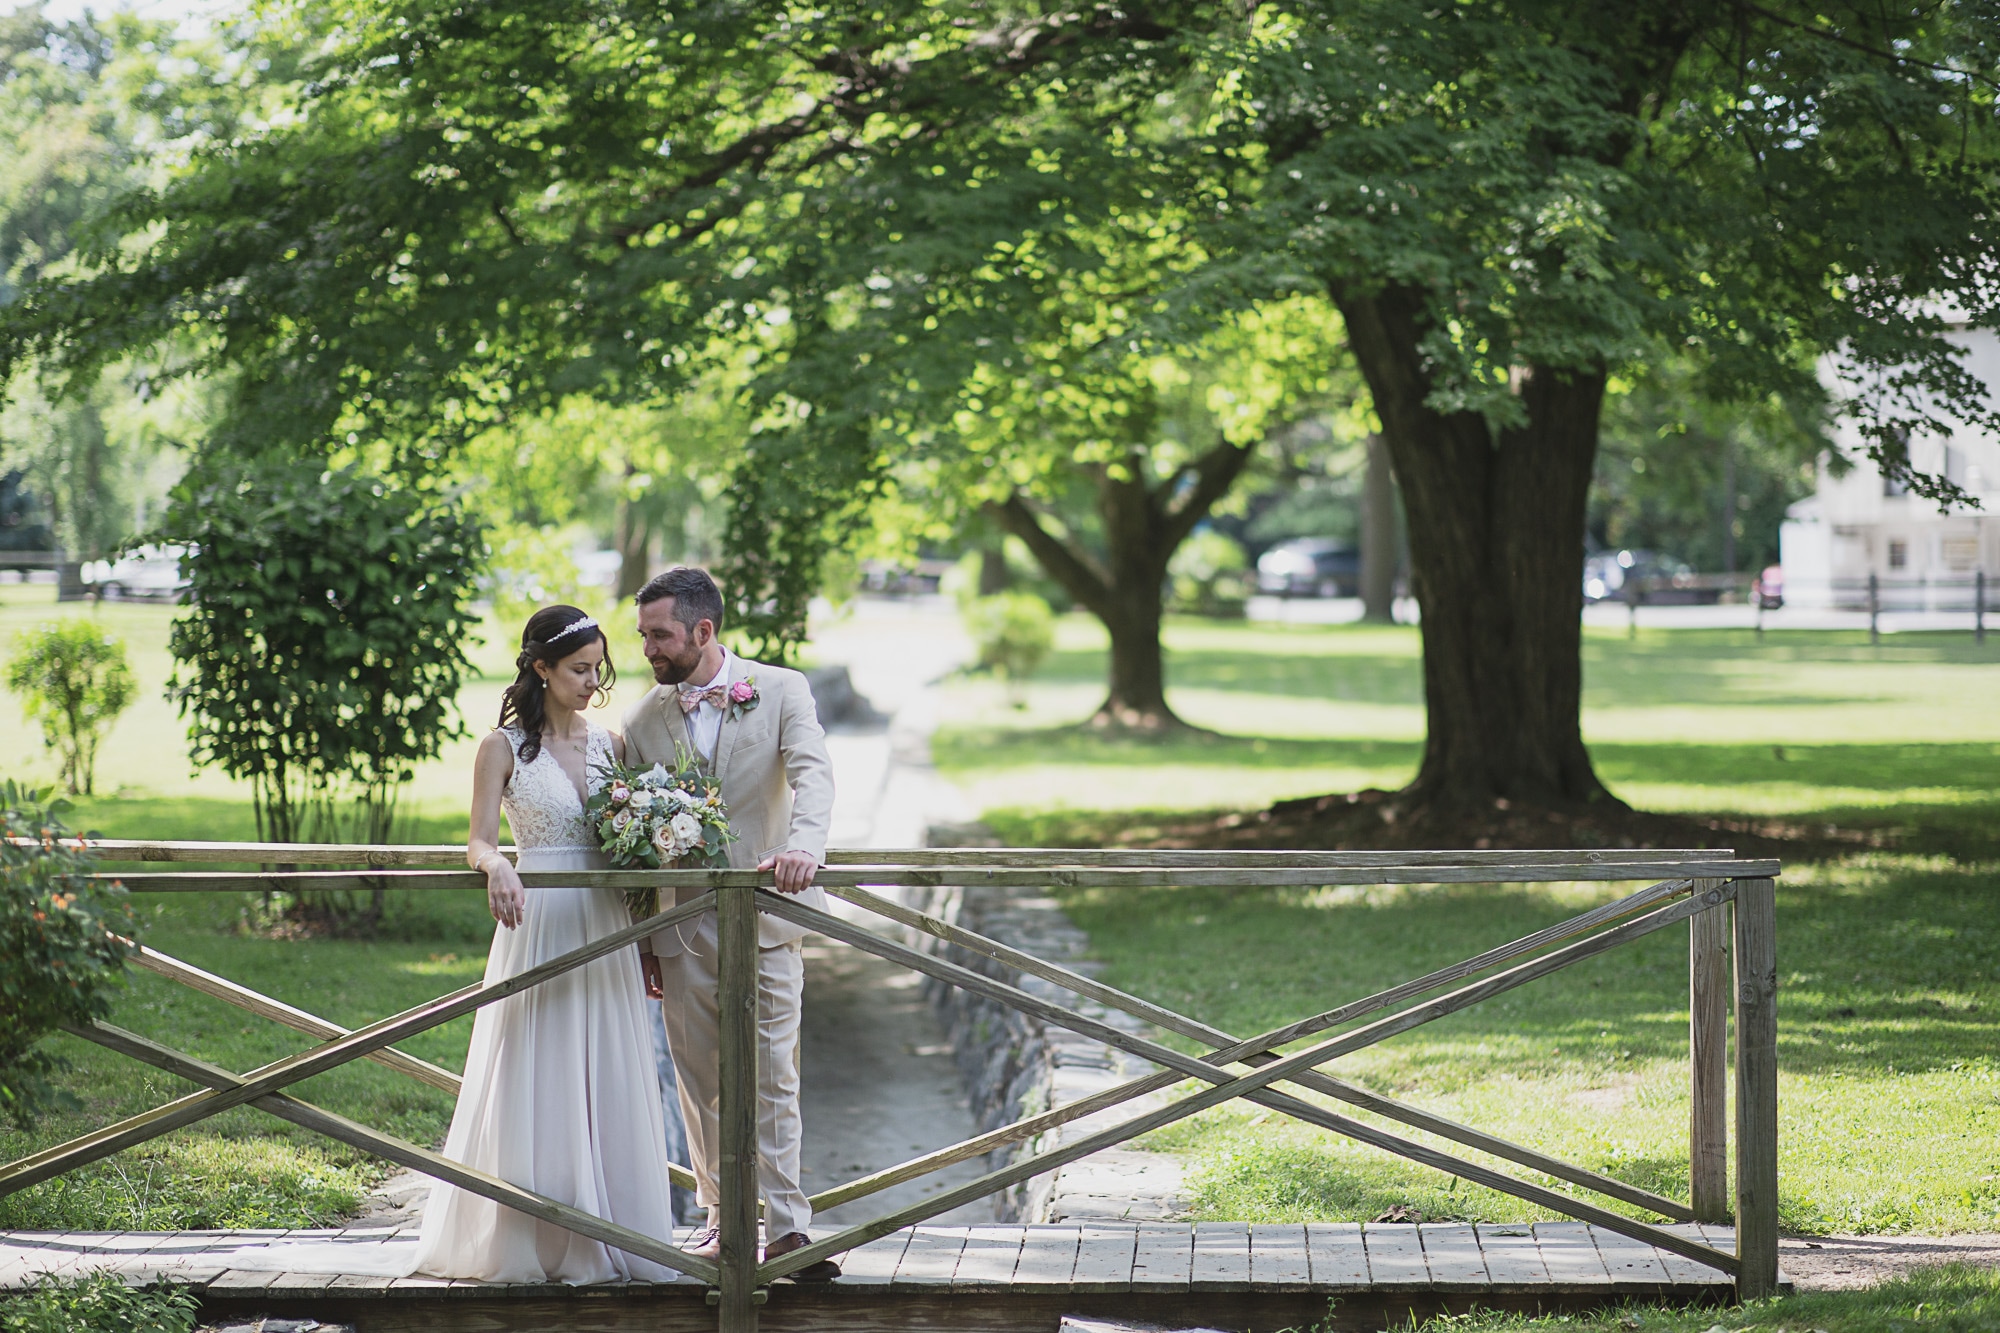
(1952, 1298)
(1889, 960)
(1793, 724)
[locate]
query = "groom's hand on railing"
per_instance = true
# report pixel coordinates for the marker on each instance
(792, 871)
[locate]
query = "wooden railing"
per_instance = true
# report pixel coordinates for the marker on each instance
(1719, 896)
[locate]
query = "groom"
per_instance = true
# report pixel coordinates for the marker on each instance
(756, 729)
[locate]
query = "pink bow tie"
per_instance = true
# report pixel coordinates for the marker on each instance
(691, 699)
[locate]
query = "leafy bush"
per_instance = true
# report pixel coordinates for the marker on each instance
(76, 682)
(1208, 576)
(323, 646)
(1013, 632)
(100, 1303)
(57, 951)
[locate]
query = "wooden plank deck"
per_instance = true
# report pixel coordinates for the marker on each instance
(1218, 1274)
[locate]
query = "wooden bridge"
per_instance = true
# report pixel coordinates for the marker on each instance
(904, 1273)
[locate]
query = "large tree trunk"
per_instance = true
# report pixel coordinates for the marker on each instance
(1378, 536)
(1144, 524)
(1496, 549)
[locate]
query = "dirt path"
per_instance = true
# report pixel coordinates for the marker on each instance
(1832, 1263)
(880, 1086)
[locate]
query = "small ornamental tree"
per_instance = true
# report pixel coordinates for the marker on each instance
(63, 940)
(75, 682)
(323, 645)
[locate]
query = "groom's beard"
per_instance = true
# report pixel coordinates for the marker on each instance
(672, 671)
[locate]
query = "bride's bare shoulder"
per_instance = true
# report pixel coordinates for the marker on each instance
(496, 747)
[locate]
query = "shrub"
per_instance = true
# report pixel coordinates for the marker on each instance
(1208, 576)
(76, 682)
(100, 1303)
(323, 646)
(58, 955)
(1013, 632)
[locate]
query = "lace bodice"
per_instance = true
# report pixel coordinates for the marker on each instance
(540, 800)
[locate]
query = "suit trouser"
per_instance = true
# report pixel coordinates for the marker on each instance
(687, 980)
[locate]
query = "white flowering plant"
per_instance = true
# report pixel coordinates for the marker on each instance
(660, 818)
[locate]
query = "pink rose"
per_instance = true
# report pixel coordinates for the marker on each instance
(620, 794)
(742, 692)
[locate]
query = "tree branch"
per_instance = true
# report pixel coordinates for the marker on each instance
(1215, 473)
(1070, 568)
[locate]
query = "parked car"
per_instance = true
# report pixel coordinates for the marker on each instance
(1769, 589)
(1660, 579)
(150, 573)
(1310, 567)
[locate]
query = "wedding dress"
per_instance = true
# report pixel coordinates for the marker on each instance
(560, 1095)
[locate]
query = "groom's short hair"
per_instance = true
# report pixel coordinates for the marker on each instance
(696, 598)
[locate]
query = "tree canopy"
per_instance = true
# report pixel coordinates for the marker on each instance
(468, 213)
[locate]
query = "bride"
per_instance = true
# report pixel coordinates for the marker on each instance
(560, 1094)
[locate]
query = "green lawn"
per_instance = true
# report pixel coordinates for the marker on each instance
(1890, 960)
(1953, 1298)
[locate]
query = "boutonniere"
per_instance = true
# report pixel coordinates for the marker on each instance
(743, 697)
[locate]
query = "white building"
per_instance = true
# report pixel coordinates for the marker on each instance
(1859, 524)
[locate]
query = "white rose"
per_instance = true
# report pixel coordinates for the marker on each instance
(621, 819)
(663, 841)
(687, 829)
(680, 798)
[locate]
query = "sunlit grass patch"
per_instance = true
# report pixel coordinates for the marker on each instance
(1949, 1298)
(199, 1182)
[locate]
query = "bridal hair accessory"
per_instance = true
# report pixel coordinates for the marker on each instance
(573, 627)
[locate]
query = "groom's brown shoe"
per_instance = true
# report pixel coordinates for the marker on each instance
(826, 1270)
(705, 1244)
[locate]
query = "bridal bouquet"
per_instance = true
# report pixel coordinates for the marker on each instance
(660, 819)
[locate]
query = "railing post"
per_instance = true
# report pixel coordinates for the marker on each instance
(1874, 609)
(1757, 1087)
(736, 1031)
(1708, 1054)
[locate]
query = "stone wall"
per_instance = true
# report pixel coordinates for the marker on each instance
(1015, 1066)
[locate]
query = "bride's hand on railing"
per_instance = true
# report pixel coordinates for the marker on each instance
(505, 897)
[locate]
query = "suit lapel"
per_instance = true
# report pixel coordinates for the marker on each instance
(725, 742)
(670, 708)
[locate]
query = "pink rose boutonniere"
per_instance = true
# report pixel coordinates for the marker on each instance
(743, 697)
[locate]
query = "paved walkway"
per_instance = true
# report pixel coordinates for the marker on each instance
(880, 1085)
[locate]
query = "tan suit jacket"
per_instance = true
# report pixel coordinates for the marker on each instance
(776, 780)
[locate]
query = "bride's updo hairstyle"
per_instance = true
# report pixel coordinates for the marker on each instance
(551, 634)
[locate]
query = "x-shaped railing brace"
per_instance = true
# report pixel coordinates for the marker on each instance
(1252, 1086)
(262, 1087)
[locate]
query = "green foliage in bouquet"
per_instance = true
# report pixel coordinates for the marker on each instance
(660, 819)
(60, 947)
